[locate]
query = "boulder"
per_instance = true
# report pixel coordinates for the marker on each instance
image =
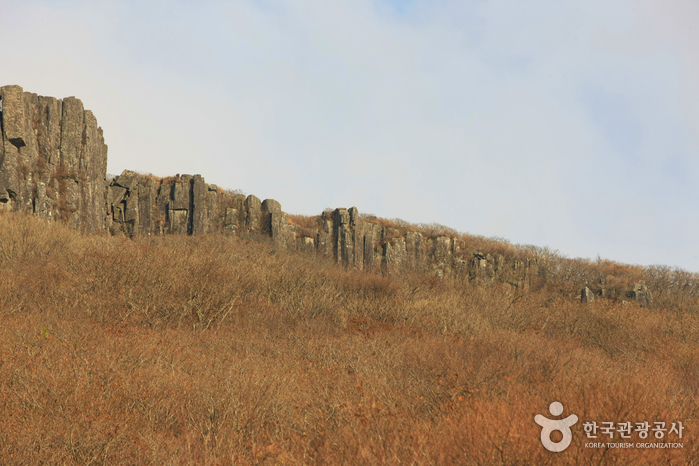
(641, 294)
(587, 296)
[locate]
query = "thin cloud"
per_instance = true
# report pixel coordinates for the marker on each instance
(567, 125)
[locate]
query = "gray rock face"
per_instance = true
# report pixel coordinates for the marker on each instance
(442, 256)
(139, 204)
(53, 159)
(253, 207)
(641, 294)
(395, 256)
(587, 296)
(13, 119)
(344, 244)
(199, 206)
(326, 246)
(53, 163)
(275, 223)
(230, 223)
(357, 243)
(479, 262)
(415, 250)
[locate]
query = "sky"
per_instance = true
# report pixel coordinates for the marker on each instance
(570, 125)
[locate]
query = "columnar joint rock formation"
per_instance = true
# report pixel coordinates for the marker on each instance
(639, 293)
(53, 159)
(184, 204)
(53, 163)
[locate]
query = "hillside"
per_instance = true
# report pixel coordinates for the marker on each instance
(210, 349)
(164, 320)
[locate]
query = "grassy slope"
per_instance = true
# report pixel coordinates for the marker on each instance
(187, 350)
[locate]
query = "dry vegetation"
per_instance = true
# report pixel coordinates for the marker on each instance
(208, 350)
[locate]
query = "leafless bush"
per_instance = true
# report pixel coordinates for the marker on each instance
(210, 350)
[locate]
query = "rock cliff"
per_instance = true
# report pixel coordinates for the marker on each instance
(53, 163)
(139, 204)
(53, 159)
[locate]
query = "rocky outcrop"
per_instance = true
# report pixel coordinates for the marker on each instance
(53, 159)
(53, 163)
(184, 204)
(641, 294)
(344, 236)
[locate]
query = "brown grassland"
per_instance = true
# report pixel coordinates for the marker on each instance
(212, 350)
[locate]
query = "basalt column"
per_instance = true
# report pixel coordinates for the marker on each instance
(53, 160)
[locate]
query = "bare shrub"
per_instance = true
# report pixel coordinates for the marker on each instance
(211, 350)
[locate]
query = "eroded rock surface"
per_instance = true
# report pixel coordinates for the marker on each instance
(53, 162)
(53, 159)
(185, 204)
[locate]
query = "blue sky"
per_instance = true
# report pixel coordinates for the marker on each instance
(573, 125)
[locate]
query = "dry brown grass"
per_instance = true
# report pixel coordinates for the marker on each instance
(208, 350)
